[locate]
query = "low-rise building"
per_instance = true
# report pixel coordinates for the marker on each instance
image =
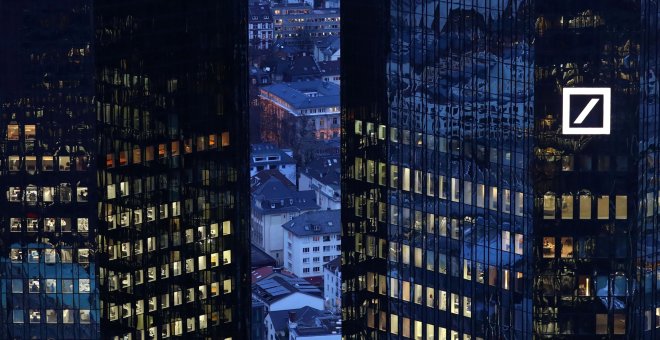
(299, 111)
(300, 23)
(304, 323)
(312, 239)
(260, 26)
(330, 71)
(324, 177)
(332, 285)
(328, 49)
(280, 292)
(276, 201)
(266, 156)
(302, 68)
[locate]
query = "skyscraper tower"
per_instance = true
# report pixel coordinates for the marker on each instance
(499, 165)
(124, 162)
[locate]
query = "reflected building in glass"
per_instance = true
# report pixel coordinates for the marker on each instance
(470, 212)
(124, 169)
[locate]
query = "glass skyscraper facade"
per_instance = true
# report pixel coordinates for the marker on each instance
(470, 212)
(48, 273)
(124, 162)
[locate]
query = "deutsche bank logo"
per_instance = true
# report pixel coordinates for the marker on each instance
(587, 110)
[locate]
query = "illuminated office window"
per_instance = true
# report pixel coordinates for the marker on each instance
(603, 207)
(621, 207)
(567, 207)
(549, 206)
(585, 207)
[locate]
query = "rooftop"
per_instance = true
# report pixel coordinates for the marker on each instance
(328, 41)
(264, 176)
(259, 274)
(308, 321)
(304, 94)
(315, 223)
(325, 170)
(265, 153)
(329, 67)
(260, 11)
(302, 66)
(258, 258)
(275, 196)
(278, 286)
(334, 264)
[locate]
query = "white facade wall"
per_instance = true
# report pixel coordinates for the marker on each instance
(332, 290)
(301, 257)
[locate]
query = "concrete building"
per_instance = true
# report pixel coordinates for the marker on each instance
(300, 23)
(301, 111)
(323, 176)
(266, 156)
(330, 71)
(312, 240)
(275, 202)
(327, 49)
(332, 285)
(260, 26)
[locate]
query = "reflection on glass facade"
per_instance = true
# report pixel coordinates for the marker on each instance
(48, 275)
(586, 186)
(470, 215)
(124, 169)
(438, 223)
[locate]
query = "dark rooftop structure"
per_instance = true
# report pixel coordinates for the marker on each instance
(329, 67)
(334, 264)
(264, 176)
(278, 286)
(306, 321)
(325, 170)
(315, 223)
(327, 47)
(274, 196)
(259, 258)
(302, 68)
(260, 12)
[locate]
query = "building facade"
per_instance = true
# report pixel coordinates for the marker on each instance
(293, 113)
(323, 175)
(472, 209)
(332, 285)
(274, 203)
(268, 157)
(260, 26)
(48, 238)
(125, 170)
(301, 24)
(311, 240)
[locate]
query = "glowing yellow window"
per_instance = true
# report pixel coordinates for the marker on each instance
(13, 132)
(226, 257)
(30, 132)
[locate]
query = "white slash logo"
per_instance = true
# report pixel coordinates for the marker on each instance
(586, 111)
